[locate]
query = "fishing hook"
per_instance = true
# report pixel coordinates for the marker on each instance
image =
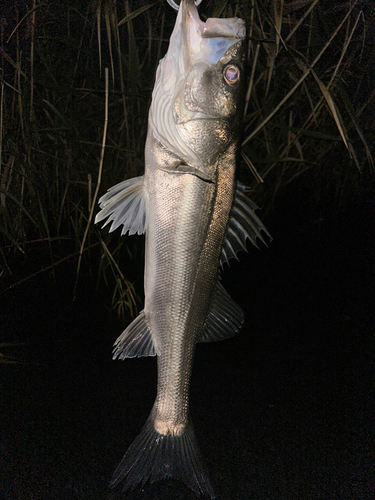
(173, 4)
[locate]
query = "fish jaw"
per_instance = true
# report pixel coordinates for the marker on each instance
(194, 40)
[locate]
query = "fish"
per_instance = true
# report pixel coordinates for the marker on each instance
(195, 217)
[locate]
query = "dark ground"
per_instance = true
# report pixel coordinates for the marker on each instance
(283, 411)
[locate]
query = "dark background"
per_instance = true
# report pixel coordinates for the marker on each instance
(283, 411)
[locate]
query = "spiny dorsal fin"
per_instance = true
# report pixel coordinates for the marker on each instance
(243, 224)
(224, 318)
(125, 204)
(135, 341)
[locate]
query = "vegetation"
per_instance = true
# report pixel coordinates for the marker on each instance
(69, 129)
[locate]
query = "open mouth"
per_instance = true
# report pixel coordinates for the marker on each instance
(206, 41)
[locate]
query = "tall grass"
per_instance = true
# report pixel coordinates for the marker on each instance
(309, 100)
(311, 86)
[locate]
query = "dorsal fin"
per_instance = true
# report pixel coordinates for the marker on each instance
(125, 204)
(224, 318)
(243, 224)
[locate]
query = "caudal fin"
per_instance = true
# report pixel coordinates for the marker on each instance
(153, 456)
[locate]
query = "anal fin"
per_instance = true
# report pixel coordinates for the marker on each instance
(135, 341)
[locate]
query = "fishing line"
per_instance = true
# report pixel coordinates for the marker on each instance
(173, 4)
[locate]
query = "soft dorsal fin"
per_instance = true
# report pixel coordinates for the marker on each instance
(243, 224)
(135, 341)
(224, 318)
(125, 204)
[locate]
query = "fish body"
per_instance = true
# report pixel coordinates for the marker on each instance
(195, 217)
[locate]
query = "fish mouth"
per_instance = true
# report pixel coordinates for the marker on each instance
(206, 41)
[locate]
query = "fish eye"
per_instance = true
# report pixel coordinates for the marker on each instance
(231, 74)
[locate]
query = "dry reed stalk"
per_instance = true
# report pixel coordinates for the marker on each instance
(306, 72)
(100, 169)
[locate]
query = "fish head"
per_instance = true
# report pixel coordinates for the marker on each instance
(197, 100)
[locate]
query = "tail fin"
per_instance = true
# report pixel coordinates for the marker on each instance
(153, 456)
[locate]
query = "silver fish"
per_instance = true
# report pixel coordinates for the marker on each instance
(195, 217)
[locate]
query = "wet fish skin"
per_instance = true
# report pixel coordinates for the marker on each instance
(195, 217)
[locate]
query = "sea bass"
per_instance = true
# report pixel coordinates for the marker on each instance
(195, 217)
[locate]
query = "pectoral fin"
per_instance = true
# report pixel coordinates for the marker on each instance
(224, 319)
(243, 224)
(125, 204)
